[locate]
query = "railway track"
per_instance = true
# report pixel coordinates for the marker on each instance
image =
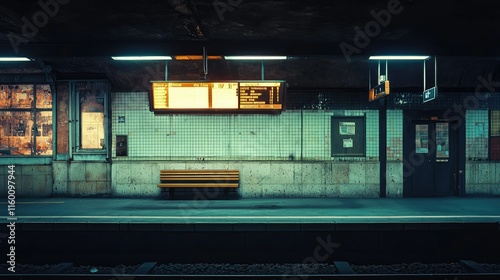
(465, 269)
(450, 276)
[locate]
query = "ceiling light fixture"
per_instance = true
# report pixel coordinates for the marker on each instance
(399, 57)
(196, 57)
(255, 57)
(14, 59)
(141, 57)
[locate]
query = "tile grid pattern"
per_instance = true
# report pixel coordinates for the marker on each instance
(394, 135)
(291, 135)
(495, 135)
(476, 135)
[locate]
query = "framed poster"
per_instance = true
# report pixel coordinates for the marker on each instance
(348, 136)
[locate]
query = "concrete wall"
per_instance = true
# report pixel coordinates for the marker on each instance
(81, 178)
(257, 178)
(394, 187)
(482, 178)
(30, 180)
(260, 178)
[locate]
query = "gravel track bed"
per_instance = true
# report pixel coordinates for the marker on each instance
(410, 268)
(83, 269)
(242, 269)
(249, 269)
(120, 269)
(491, 267)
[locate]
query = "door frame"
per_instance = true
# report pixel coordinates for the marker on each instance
(458, 123)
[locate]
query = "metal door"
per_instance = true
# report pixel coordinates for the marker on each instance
(433, 158)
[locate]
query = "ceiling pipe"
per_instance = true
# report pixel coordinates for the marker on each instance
(425, 76)
(166, 70)
(262, 70)
(435, 71)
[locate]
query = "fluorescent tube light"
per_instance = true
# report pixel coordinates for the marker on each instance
(399, 57)
(14, 59)
(254, 57)
(141, 57)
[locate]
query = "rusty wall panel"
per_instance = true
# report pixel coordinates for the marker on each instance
(62, 117)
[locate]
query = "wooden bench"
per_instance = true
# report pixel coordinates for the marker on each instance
(172, 179)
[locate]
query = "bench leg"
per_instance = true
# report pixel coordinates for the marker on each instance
(171, 193)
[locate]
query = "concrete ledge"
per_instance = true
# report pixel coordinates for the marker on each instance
(255, 227)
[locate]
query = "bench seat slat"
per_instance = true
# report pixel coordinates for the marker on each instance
(199, 175)
(214, 177)
(198, 171)
(173, 179)
(197, 180)
(197, 185)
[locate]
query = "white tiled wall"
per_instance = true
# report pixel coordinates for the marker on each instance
(477, 126)
(284, 136)
(372, 143)
(394, 135)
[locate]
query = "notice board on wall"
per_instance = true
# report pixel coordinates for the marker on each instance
(348, 136)
(216, 96)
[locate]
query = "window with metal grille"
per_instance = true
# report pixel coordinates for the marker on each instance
(25, 120)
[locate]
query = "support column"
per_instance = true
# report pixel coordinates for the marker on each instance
(382, 139)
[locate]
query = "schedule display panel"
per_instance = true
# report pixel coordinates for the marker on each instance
(220, 96)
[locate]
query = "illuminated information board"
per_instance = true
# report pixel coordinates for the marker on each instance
(260, 95)
(179, 96)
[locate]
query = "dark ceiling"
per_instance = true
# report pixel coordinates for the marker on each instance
(76, 37)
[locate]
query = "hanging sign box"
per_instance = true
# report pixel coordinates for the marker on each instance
(379, 91)
(429, 94)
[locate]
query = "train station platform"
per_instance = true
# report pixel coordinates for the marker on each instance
(278, 210)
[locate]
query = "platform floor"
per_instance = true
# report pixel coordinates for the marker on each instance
(277, 210)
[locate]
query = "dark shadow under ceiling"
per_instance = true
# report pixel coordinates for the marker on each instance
(77, 37)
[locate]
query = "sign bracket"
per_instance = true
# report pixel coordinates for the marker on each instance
(382, 88)
(431, 93)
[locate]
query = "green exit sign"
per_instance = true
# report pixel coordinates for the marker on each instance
(429, 94)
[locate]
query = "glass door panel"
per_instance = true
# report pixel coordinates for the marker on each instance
(442, 142)
(421, 138)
